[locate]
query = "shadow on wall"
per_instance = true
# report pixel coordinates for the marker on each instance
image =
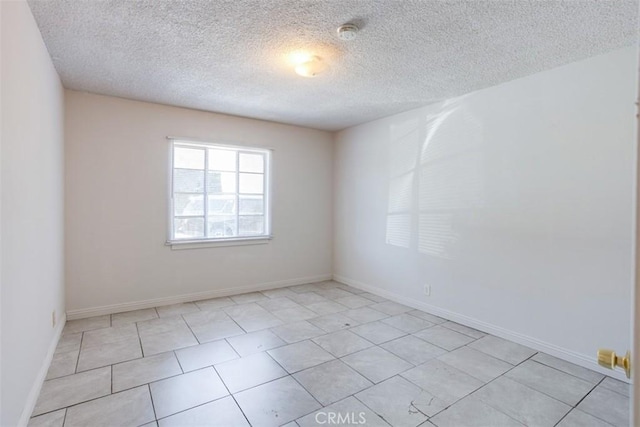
(435, 178)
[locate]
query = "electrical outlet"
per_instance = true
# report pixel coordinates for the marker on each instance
(53, 319)
(427, 290)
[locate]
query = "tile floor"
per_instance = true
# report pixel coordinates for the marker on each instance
(315, 354)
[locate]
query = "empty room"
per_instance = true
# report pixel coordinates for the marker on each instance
(319, 213)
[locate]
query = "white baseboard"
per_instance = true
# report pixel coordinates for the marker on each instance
(586, 361)
(216, 293)
(32, 397)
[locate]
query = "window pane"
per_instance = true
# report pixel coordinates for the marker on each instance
(188, 228)
(221, 182)
(222, 205)
(222, 160)
(252, 183)
(251, 162)
(188, 181)
(188, 158)
(251, 205)
(222, 226)
(251, 225)
(188, 204)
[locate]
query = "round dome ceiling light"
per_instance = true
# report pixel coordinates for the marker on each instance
(311, 67)
(347, 32)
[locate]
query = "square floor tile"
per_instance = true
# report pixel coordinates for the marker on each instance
(365, 314)
(333, 322)
(354, 301)
(378, 332)
(522, 403)
(142, 371)
(617, 386)
(70, 390)
(391, 308)
(255, 342)
(63, 363)
(295, 314)
(473, 333)
(552, 382)
(331, 381)
(307, 298)
(400, 402)
(69, 342)
(214, 303)
(177, 309)
(569, 368)
(248, 297)
(97, 356)
(334, 294)
(577, 418)
(88, 324)
(204, 317)
(407, 323)
(472, 412)
(251, 317)
(443, 381)
(427, 316)
(276, 403)
(299, 356)
(376, 364)
(350, 411)
(476, 363)
(250, 371)
(278, 293)
(502, 349)
(119, 319)
(372, 297)
(443, 337)
(307, 287)
(168, 341)
(326, 307)
(274, 304)
(161, 325)
(224, 411)
(203, 355)
(298, 331)
(186, 391)
(212, 325)
(132, 407)
(52, 419)
(109, 335)
(607, 405)
(341, 343)
(413, 350)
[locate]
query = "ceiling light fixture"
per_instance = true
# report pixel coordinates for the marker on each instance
(347, 32)
(310, 67)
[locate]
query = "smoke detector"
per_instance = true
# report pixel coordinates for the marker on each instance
(347, 32)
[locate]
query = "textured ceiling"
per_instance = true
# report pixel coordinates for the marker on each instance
(231, 56)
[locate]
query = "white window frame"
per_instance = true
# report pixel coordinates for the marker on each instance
(219, 241)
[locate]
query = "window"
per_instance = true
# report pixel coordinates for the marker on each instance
(219, 192)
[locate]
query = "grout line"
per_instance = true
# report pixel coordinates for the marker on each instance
(75, 371)
(178, 359)
(153, 405)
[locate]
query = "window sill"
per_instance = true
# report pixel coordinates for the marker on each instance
(177, 245)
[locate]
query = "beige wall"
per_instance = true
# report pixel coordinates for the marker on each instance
(32, 211)
(117, 171)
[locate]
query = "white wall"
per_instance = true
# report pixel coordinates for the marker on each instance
(117, 158)
(32, 211)
(514, 203)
